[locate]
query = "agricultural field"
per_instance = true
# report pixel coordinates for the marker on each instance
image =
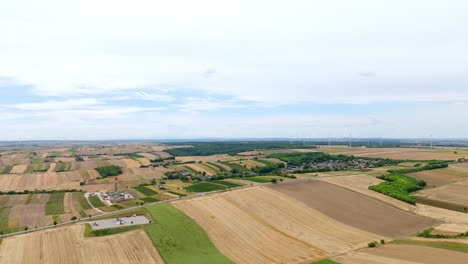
(439, 177)
(258, 222)
(145, 190)
(262, 179)
(355, 209)
(398, 153)
(403, 254)
(205, 187)
(179, 239)
(68, 245)
(41, 181)
(454, 193)
(55, 205)
(96, 201)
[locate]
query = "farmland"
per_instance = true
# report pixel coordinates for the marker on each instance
(320, 216)
(170, 232)
(252, 213)
(68, 245)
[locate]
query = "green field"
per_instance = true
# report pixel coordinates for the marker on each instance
(55, 204)
(149, 200)
(63, 166)
(235, 168)
(204, 187)
(107, 171)
(4, 212)
(145, 190)
(83, 203)
(260, 179)
(5, 169)
(179, 239)
(216, 166)
(462, 247)
(325, 261)
(227, 184)
(95, 201)
(39, 167)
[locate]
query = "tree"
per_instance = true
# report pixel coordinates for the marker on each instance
(274, 181)
(55, 222)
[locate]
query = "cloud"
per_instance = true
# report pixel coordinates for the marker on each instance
(57, 105)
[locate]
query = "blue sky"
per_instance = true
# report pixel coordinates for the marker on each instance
(184, 69)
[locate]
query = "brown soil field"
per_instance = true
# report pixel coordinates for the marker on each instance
(463, 167)
(361, 183)
(436, 178)
(260, 225)
(52, 167)
(403, 254)
(212, 158)
(46, 181)
(355, 209)
(18, 169)
(452, 193)
(67, 245)
(64, 159)
(445, 215)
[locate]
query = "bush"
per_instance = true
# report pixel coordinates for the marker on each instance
(274, 181)
(73, 218)
(399, 187)
(372, 244)
(382, 241)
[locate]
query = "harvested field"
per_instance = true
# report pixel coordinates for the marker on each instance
(144, 161)
(445, 215)
(250, 164)
(260, 225)
(52, 167)
(355, 209)
(200, 168)
(396, 153)
(42, 181)
(403, 254)
(30, 215)
(93, 174)
(213, 158)
(463, 167)
(455, 193)
(98, 187)
(436, 178)
(361, 183)
(18, 169)
(67, 245)
(131, 163)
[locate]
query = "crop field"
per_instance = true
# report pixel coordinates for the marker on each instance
(254, 226)
(18, 169)
(212, 158)
(360, 183)
(131, 163)
(63, 166)
(436, 178)
(144, 161)
(42, 181)
(68, 245)
(179, 239)
(403, 254)
(95, 201)
(355, 209)
(249, 164)
(30, 215)
(39, 167)
(5, 169)
(227, 184)
(201, 168)
(261, 179)
(205, 187)
(4, 213)
(55, 205)
(455, 193)
(396, 153)
(145, 190)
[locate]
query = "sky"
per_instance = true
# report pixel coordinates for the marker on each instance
(149, 69)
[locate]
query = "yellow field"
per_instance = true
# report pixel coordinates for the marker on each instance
(260, 225)
(67, 245)
(131, 163)
(18, 169)
(212, 158)
(42, 181)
